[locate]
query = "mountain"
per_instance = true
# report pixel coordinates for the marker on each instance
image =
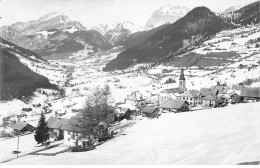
(192, 29)
(249, 14)
(62, 42)
(103, 28)
(230, 10)
(167, 14)
(54, 33)
(16, 79)
(117, 34)
(140, 37)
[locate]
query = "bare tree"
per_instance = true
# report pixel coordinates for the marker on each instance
(96, 109)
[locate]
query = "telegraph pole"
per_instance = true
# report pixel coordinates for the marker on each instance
(18, 144)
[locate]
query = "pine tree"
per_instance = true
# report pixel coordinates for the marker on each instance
(41, 134)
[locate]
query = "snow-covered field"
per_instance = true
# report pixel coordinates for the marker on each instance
(27, 144)
(229, 135)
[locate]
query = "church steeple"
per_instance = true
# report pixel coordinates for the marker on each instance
(182, 81)
(182, 74)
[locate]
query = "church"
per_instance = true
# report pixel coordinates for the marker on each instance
(182, 81)
(174, 93)
(193, 97)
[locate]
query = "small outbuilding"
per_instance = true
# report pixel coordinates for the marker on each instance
(21, 127)
(150, 112)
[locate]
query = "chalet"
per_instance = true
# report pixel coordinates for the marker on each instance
(22, 127)
(212, 101)
(193, 97)
(72, 133)
(250, 93)
(54, 124)
(150, 112)
(208, 91)
(174, 105)
(135, 99)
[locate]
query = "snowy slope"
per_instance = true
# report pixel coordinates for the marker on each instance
(209, 137)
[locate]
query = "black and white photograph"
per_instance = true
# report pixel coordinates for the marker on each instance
(130, 82)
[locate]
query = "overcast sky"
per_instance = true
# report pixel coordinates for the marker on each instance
(92, 12)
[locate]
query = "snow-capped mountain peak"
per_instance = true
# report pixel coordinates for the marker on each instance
(166, 14)
(50, 16)
(127, 26)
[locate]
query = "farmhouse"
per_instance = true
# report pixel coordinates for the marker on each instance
(150, 112)
(174, 105)
(212, 101)
(54, 124)
(72, 130)
(21, 127)
(193, 97)
(72, 133)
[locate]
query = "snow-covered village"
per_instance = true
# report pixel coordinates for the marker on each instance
(180, 87)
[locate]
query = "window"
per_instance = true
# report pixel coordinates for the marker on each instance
(190, 99)
(68, 139)
(69, 132)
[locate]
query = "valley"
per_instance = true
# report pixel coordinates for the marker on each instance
(51, 65)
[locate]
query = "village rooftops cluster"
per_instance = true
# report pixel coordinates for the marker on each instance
(168, 100)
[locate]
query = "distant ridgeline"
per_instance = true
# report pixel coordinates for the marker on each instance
(16, 79)
(198, 25)
(190, 30)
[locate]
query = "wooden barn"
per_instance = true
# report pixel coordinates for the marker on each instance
(150, 112)
(22, 127)
(250, 94)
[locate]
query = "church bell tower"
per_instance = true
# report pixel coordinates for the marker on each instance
(182, 81)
